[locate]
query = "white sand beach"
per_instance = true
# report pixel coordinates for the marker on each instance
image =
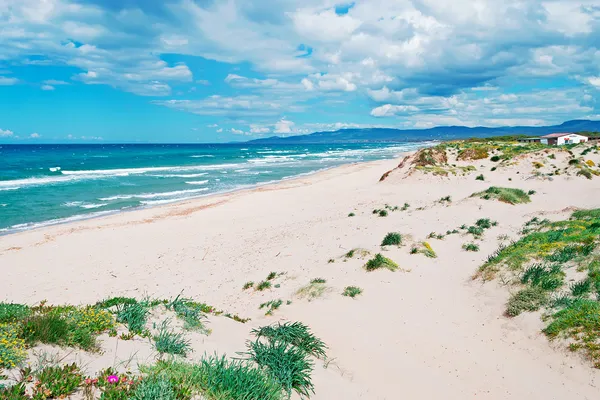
(426, 331)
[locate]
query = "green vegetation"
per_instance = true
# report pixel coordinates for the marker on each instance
(470, 247)
(271, 276)
(154, 387)
(495, 158)
(392, 239)
(248, 285)
(315, 289)
(360, 252)
(539, 260)
(190, 312)
(379, 261)
(351, 291)
(505, 195)
(434, 235)
(166, 341)
(351, 214)
(527, 299)
(296, 334)
(11, 312)
(423, 248)
(480, 177)
(271, 306)
(12, 347)
(217, 378)
(133, 315)
(264, 285)
(446, 199)
(383, 213)
(57, 382)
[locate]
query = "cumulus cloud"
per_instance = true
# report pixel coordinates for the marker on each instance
(6, 133)
(35, 136)
(47, 87)
(420, 61)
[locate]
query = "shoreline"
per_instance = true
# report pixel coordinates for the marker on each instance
(109, 213)
(189, 200)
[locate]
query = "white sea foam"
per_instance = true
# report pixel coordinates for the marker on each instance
(202, 156)
(197, 182)
(73, 203)
(137, 171)
(177, 193)
(54, 169)
(3, 205)
(180, 175)
(92, 206)
(8, 188)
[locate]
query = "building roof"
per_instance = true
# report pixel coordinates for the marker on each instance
(557, 135)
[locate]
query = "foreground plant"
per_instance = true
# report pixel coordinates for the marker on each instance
(288, 364)
(293, 333)
(57, 382)
(166, 341)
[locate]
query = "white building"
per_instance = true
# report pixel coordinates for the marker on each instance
(559, 139)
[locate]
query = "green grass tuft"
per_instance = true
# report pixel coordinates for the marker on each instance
(351, 291)
(133, 315)
(167, 341)
(392, 239)
(527, 299)
(289, 365)
(293, 333)
(264, 285)
(505, 195)
(470, 247)
(379, 261)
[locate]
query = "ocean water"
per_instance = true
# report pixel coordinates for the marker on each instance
(49, 184)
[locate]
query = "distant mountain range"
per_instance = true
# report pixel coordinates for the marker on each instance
(437, 133)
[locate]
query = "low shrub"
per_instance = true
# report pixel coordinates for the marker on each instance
(351, 291)
(12, 347)
(264, 285)
(480, 177)
(379, 261)
(495, 158)
(505, 195)
(248, 285)
(392, 239)
(527, 299)
(470, 247)
(57, 382)
(11, 312)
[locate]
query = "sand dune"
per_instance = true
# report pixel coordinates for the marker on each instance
(428, 330)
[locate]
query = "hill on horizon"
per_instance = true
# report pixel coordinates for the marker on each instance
(437, 133)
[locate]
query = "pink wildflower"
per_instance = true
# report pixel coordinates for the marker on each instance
(112, 379)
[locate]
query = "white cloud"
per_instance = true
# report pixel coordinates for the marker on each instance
(5, 81)
(55, 82)
(324, 26)
(47, 87)
(594, 81)
(257, 129)
(284, 126)
(239, 106)
(388, 110)
(35, 136)
(203, 82)
(237, 131)
(6, 133)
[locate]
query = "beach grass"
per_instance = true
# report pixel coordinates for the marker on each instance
(293, 333)
(315, 289)
(352, 291)
(167, 341)
(392, 239)
(379, 261)
(289, 365)
(505, 195)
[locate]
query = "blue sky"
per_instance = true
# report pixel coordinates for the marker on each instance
(230, 70)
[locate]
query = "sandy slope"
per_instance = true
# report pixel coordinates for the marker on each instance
(427, 332)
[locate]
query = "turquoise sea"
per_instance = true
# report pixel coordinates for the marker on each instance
(48, 184)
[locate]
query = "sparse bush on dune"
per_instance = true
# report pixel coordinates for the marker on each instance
(378, 262)
(505, 195)
(392, 239)
(351, 291)
(539, 259)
